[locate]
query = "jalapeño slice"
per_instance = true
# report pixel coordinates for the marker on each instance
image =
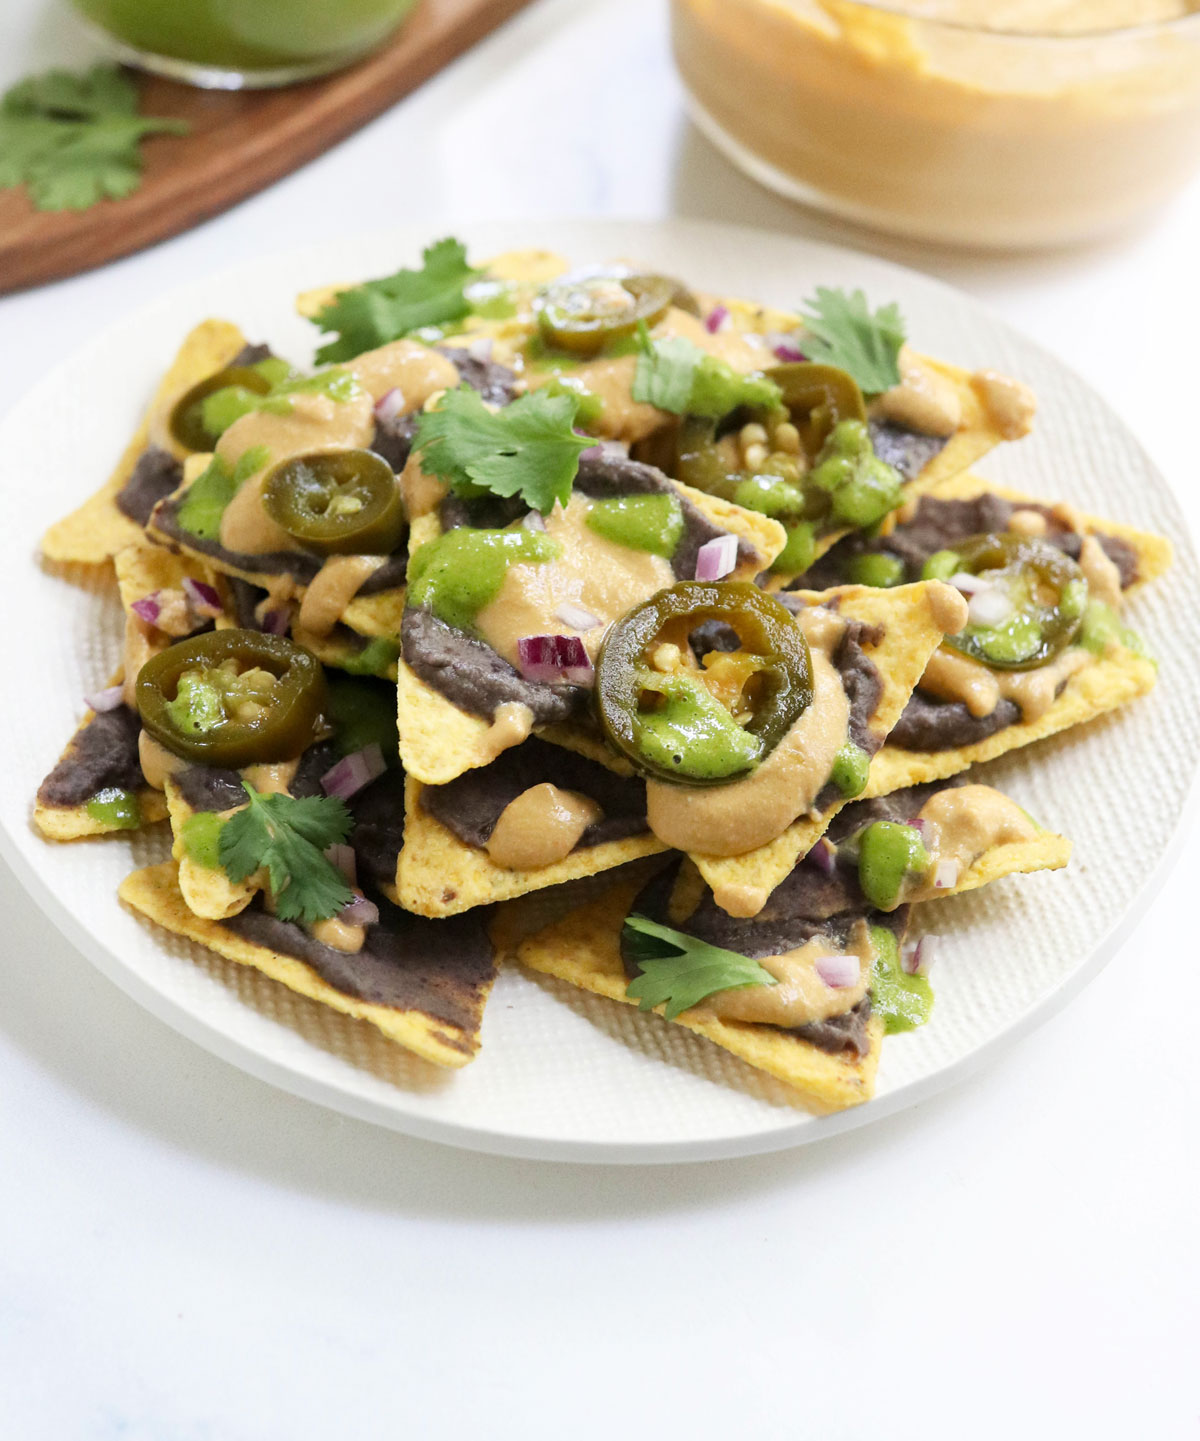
(187, 416)
(232, 698)
(817, 398)
(683, 722)
(1032, 606)
(337, 502)
(588, 312)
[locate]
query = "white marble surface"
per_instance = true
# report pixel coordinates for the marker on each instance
(188, 1254)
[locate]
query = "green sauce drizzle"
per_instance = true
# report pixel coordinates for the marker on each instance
(460, 572)
(642, 522)
(115, 808)
(903, 1001)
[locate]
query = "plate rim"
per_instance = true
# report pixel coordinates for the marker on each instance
(326, 1090)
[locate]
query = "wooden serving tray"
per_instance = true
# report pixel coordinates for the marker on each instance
(239, 142)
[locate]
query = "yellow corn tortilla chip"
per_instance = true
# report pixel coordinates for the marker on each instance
(439, 875)
(1107, 682)
(585, 949)
(94, 533)
(155, 893)
(207, 891)
(911, 633)
(438, 741)
(1154, 552)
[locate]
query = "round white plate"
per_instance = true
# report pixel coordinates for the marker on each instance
(561, 1074)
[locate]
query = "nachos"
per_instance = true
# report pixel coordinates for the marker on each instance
(541, 574)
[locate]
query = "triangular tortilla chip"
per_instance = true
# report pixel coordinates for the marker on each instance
(449, 992)
(94, 533)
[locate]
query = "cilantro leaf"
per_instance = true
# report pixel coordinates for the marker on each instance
(528, 448)
(382, 310)
(678, 971)
(74, 139)
(677, 376)
(289, 835)
(841, 330)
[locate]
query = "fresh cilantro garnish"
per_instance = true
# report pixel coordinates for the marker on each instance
(73, 139)
(219, 410)
(371, 315)
(204, 501)
(528, 448)
(841, 330)
(289, 835)
(679, 971)
(675, 375)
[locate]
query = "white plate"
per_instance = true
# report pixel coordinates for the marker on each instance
(561, 1074)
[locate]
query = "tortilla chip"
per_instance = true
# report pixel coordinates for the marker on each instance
(1154, 552)
(144, 567)
(73, 823)
(1108, 682)
(439, 875)
(585, 949)
(910, 636)
(207, 891)
(438, 741)
(94, 533)
(155, 892)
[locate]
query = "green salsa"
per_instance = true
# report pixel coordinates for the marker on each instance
(1102, 627)
(255, 35)
(201, 834)
(693, 735)
(851, 766)
(118, 809)
(642, 522)
(903, 1001)
(460, 572)
(888, 852)
(376, 658)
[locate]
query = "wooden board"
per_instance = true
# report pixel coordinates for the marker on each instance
(240, 141)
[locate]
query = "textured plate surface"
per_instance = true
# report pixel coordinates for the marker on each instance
(564, 1075)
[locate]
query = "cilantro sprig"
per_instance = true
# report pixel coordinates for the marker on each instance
(289, 835)
(73, 140)
(677, 376)
(528, 448)
(842, 330)
(678, 971)
(387, 309)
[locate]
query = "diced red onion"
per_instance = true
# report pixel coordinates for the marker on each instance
(945, 874)
(276, 622)
(716, 557)
(783, 346)
(481, 349)
(555, 659)
(202, 597)
(390, 405)
(343, 857)
(838, 972)
(917, 959)
(576, 617)
(533, 521)
(716, 318)
(787, 353)
(148, 607)
(989, 607)
(919, 825)
(360, 912)
(823, 856)
(103, 700)
(353, 772)
(969, 584)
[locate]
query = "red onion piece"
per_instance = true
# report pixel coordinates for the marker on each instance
(108, 699)
(202, 597)
(148, 608)
(838, 972)
(917, 959)
(919, 825)
(716, 557)
(276, 622)
(343, 857)
(554, 659)
(576, 617)
(716, 318)
(945, 874)
(823, 856)
(969, 584)
(360, 912)
(390, 405)
(353, 772)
